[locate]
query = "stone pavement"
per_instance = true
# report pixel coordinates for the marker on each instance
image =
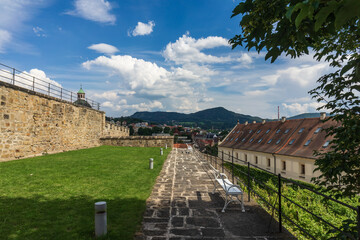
(182, 206)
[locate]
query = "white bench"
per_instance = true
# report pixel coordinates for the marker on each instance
(232, 191)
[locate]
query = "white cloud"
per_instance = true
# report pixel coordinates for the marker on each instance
(138, 73)
(5, 38)
(34, 78)
(94, 10)
(113, 94)
(39, 32)
(298, 108)
(187, 50)
(143, 28)
(104, 48)
(123, 106)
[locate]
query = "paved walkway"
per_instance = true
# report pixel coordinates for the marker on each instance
(182, 206)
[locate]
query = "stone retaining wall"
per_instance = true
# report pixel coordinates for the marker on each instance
(32, 124)
(139, 141)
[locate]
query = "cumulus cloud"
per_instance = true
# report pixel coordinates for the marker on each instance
(143, 28)
(93, 10)
(34, 78)
(188, 50)
(123, 106)
(113, 94)
(298, 108)
(137, 72)
(104, 48)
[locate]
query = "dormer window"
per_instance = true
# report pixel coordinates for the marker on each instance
(301, 130)
(292, 141)
(258, 131)
(307, 143)
(286, 131)
(278, 131)
(238, 131)
(243, 139)
(326, 144)
(278, 141)
(251, 139)
(260, 140)
(231, 139)
(236, 139)
(267, 131)
(250, 131)
(269, 141)
(317, 130)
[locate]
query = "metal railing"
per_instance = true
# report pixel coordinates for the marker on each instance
(50, 88)
(220, 164)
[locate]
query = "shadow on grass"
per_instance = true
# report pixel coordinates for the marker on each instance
(41, 218)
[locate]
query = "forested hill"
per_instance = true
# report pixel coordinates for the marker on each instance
(218, 118)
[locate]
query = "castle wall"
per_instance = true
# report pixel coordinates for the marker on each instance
(112, 130)
(33, 124)
(139, 141)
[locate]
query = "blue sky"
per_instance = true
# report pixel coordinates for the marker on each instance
(161, 55)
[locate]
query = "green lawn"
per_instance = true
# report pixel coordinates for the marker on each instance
(53, 196)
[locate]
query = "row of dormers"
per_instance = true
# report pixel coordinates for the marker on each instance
(299, 137)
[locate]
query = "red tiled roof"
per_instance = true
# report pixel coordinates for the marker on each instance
(254, 137)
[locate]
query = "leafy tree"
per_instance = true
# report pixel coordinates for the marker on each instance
(330, 28)
(166, 130)
(131, 130)
(156, 129)
(211, 150)
(144, 131)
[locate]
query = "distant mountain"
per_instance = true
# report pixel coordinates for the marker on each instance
(217, 118)
(306, 115)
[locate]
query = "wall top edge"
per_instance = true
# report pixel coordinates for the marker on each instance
(28, 91)
(138, 137)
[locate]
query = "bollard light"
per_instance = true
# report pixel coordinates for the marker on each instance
(151, 163)
(161, 151)
(100, 219)
(165, 145)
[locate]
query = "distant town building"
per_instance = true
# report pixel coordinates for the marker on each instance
(285, 146)
(81, 99)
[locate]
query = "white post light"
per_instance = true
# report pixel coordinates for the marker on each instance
(165, 145)
(151, 163)
(161, 151)
(100, 219)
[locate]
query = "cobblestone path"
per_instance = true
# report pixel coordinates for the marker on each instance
(182, 206)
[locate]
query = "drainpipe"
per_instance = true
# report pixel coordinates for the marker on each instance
(274, 162)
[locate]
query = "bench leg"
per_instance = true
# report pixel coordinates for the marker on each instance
(242, 202)
(214, 188)
(226, 203)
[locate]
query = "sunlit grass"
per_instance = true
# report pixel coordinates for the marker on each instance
(53, 196)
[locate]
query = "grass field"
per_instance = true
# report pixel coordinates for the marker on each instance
(53, 196)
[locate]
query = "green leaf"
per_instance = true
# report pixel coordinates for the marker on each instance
(289, 12)
(346, 68)
(348, 10)
(302, 15)
(322, 15)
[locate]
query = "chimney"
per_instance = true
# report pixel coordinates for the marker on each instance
(246, 123)
(322, 115)
(254, 121)
(263, 121)
(238, 121)
(283, 119)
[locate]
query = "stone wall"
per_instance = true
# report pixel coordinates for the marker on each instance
(139, 141)
(33, 124)
(112, 130)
